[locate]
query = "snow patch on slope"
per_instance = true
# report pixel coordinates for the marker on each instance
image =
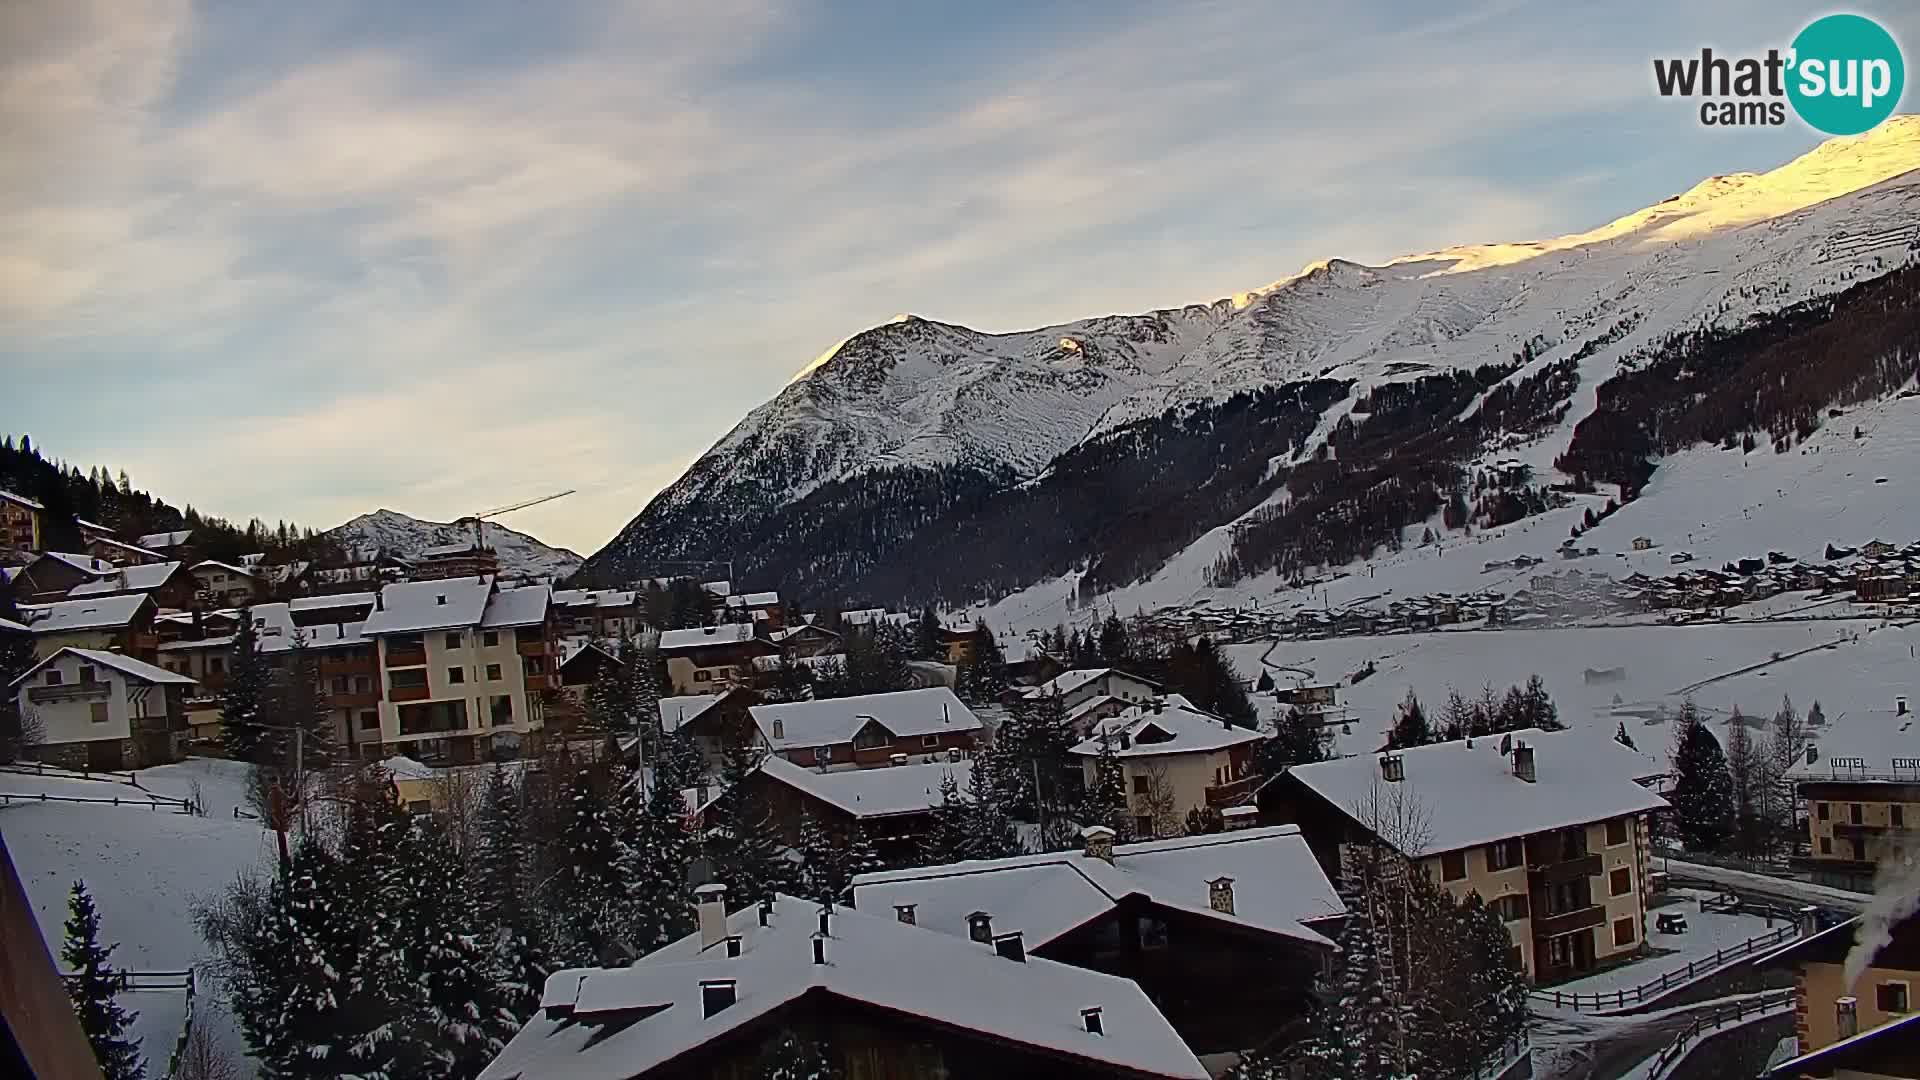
(389, 531)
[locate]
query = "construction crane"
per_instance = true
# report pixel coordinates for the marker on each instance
(477, 519)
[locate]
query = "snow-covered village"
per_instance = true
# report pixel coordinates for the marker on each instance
(1469, 657)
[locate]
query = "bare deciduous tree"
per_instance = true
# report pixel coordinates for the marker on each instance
(456, 796)
(1159, 802)
(202, 1059)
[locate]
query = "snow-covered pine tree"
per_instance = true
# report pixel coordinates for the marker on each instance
(382, 990)
(1747, 761)
(1702, 795)
(742, 844)
(1620, 736)
(583, 897)
(1356, 1035)
(791, 1055)
(990, 830)
(460, 1018)
(243, 695)
(823, 867)
(1106, 799)
(1298, 739)
(947, 839)
(1410, 727)
(92, 984)
(862, 856)
(298, 1007)
(984, 678)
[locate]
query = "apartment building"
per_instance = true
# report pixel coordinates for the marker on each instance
(1174, 758)
(1867, 1028)
(463, 667)
(1550, 828)
(601, 613)
(708, 659)
(103, 710)
(108, 549)
(169, 583)
(122, 624)
(52, 574)
(225, 585)
(177, 544)
(1860, 782)
(1081, 687)
(20, 521)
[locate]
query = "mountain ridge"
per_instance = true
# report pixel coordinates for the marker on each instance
(403, 535)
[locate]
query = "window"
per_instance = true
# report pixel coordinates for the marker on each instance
(453, 641)
(1826, 845)
(1139, 785)
(216, 664)
(86, 675)
(490, 638)
(929, 742)
(369, 720)
(53, 677)
(339, 684)
(97, 712)
(871, 736)
(1504, 855)
(1891, 997)
(1623, 932)
(1453, 866)
(500, 710)
(493, 673)
(535, 665)
(1143, 827)
(1620, 882)
(456, 675)
(1853, 813)
(1897, 816)
(1616, 832)
(407, 679)
(1825, 810)
(363, 684)
(702, 675)
(1512, 908)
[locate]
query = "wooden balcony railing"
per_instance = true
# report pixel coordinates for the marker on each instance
(1568, 921)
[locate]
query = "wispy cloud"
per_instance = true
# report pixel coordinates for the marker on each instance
(523, 249)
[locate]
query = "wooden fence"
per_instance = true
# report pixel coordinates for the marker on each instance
(185, 981)
(1707, 1021)
(154, 802)
(1666, 982)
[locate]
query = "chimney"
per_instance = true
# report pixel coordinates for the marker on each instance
(1523, 761)
(711, 904)
(1846, 1017)
(1220, 895)
(1392, 768)
(716, 994)
(1813, 753)
(1900, 705)
(826, 920)
(1012, 946)
(1809, 920)
(904, 912)
(819, 948)
(1092, 1018)
(766, 911)
(733, 945)
(980, 927)
(1099, 842)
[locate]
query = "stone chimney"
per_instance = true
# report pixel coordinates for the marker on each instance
(904, 912)
(1012, 946)
(733, 945)
(1091, 1017)
(1393, 768)
(1846, 1017)
(1900, 705)
(716, 994)
(710, 903)
(1099, 842)
(980, 927)
(1523, 761)
(766, 911)
(819, 948)
(1220, 895)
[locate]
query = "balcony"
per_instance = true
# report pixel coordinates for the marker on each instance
(86, 691)
(1567, 922)
(531, 646)
(408, 693)
(1849, 831)
(536, 682)
(407, 657)
(1565, 870)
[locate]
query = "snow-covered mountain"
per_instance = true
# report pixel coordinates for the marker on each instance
(917, 425)
(521, 556)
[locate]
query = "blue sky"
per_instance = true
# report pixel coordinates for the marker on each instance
(438, 257)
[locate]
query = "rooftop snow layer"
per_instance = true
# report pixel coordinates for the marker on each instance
(140, 578)
(1277, 884)
(412, 606)
(1468, 794)
(1877, 743)
(905, 713)
(153, 541)
(865, 793)
(126, 665)
(724, 634)
(675, 711)
(94, 613)
(524, 606)
(1175, 728)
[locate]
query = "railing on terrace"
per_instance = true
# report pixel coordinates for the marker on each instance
(1712, 1019)
(184, 981)
(1497, 1064)
(1666, 982)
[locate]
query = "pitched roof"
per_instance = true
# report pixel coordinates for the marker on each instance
(126, 665)
(1277, 884)
(1177, 728)
(278, 632)
(326, 601)
(874, 960)
(164, 539)
(86, 564)
(1068, 681)
(1862, 744)
(905, 713)
(1468, 794)
(595, 597)
(21, 500)
(9, 626)
(524, 606)
(142, 577)
(1894, 1036)
(408, 607)
(677, 710)
(870, 793)
(93, 613)
(215, 564)
(695, 637)
(111, 542)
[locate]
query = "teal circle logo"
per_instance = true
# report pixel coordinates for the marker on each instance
(1847, 75)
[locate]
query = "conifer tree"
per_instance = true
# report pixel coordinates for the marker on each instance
(947, 839)
(1620, 736)
(1357, 1034)
(1410, 727)
(990, 831)
(92, 987)
(243, 696)
(16, 659)
(823, 869)
(1116, 645)
(500, 887)
(663, 847)
(862, 856)
(1702, 796)
(1298, 739)
(791, 1055)
(1106, 801)
(741, 843)
(461, 1018)
(585, 892)
(1747, 783)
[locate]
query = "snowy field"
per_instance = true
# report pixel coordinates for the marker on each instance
(1844, 664)
(144, 868)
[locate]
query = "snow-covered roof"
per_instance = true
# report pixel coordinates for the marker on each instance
(93, 613)
(1467, 794)
(86, 564)
(1068, 681)
(1277, 885)
(772, 663)
(779, 636)
(872, 959)
(8, 573)
(175, 538)
(677, 710)
(126, 665)
(754, 599)
(1176, 727)
(111, 542)
(328, 601)
(11, 627)
(723, 634)
(215, 564)
(277, 631)
(408, 607)
(401, 767)
(606, 598)
(20, 500)
(524, 606)
(871, 616)
(443, 551)
(138, 578)
(85, 524)
(866, 793)
(829, 722)
(718, 588)
(1862, 744)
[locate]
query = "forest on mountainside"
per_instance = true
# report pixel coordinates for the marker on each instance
(110, 499)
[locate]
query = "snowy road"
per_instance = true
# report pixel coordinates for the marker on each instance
(1571, 1046)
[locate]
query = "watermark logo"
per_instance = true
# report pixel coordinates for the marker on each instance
(1842, 75)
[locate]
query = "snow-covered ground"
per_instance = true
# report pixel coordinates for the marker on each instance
(1707, 932)
(144, 868)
